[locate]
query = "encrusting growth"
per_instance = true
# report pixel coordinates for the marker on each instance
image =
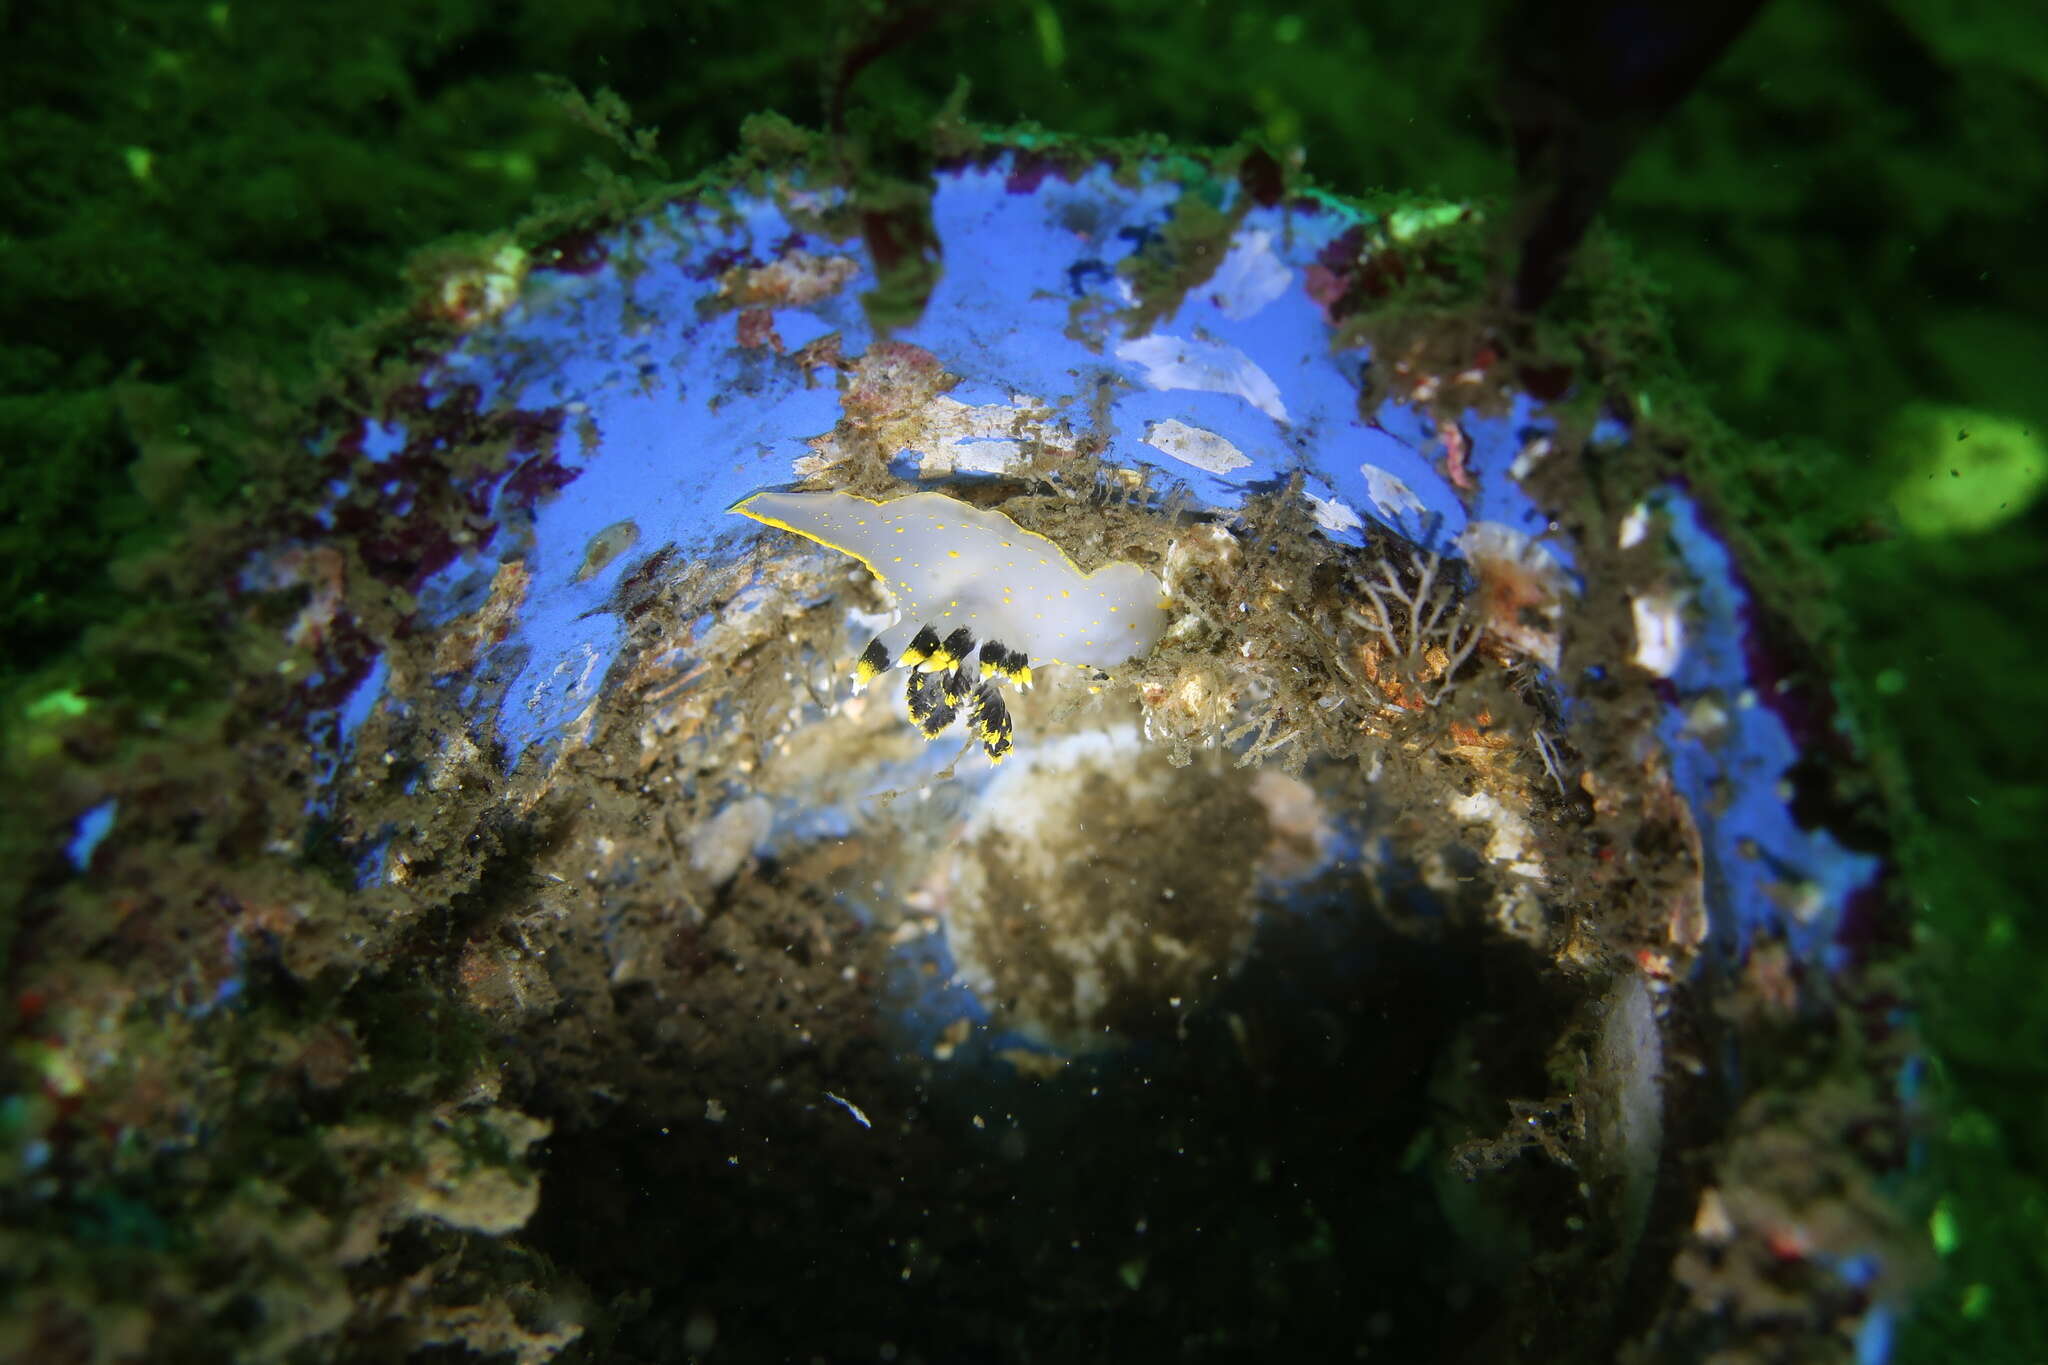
(1417, 618)
(1284, 645)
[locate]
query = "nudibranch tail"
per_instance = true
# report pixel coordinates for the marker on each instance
(970, 579)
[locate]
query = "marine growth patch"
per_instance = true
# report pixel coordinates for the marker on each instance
(980, 597)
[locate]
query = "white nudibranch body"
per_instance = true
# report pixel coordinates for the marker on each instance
(968, 579)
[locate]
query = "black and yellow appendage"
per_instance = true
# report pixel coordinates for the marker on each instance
(946, 676)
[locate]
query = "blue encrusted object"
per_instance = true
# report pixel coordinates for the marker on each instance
(1368, 753)
(692, 369)
(686, 376)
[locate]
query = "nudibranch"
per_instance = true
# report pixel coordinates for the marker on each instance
(979, 598)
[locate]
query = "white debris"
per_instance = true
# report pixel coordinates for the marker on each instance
(977, 439)
(1334, 514)
(1205, 450)
(1389, 494)
(1511, 845)
(1660, 632)
(850, 1107)
(1528, 457)
(1205, 365)
(1634, 527)
(1250, 277)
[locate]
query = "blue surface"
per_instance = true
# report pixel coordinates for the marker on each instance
(682, 421)
(668, 421)
(1757, 854)
(87, 833)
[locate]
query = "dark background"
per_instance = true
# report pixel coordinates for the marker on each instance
(1846, 217)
